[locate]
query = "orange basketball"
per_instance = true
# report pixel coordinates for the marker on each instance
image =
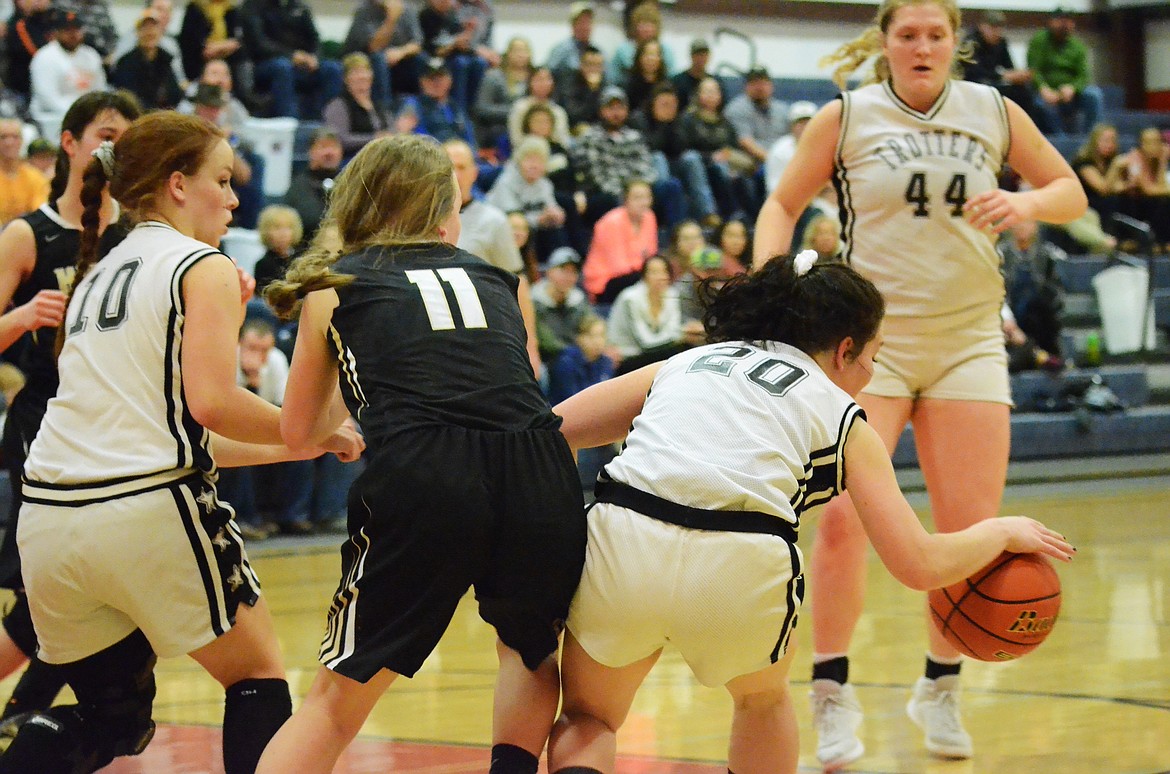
(1001, 612)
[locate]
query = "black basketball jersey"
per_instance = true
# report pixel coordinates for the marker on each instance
(57, 244)
(56, 256)
(431, 335)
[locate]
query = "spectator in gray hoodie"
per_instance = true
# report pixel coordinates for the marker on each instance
(524, 187)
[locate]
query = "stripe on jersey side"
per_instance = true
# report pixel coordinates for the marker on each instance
(824, 474)
(347, 364)
(794, 594)
(341, 632)
(1001, 106)
(846, 214)
(172, 365)
(204, 553)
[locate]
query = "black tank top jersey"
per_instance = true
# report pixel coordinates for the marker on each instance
(53, 269)
(431, 335)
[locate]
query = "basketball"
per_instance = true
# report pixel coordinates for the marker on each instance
(1001, 612)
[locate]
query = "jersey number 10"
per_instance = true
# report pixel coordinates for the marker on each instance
(111, 312)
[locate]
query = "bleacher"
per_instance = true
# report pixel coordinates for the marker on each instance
(1141, 382)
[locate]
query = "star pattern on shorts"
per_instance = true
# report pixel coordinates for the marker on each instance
(235, 580)
(206, 499)
(220, 541)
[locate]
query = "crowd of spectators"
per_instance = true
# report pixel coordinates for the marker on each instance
(574, 170)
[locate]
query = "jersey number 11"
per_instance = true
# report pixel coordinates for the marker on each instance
(434, 298)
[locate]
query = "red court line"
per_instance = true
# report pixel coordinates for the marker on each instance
(196, 750)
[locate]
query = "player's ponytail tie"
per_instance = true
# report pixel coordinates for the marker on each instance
(105, 154)
(804, 261)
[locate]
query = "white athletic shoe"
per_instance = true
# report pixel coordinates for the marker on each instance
(836, 718)
(934, 707)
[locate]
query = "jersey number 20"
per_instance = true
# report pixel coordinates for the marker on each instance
(773, 375)
(435, 299)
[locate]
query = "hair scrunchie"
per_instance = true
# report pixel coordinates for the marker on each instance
(105, 154)
(804, 261)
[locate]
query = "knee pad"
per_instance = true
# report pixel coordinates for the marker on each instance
(49, 742)
(18, 623)
(115, 693)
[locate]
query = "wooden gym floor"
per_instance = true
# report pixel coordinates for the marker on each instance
(1095, 698)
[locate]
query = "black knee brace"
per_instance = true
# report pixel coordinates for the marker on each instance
(115, 693)
(115, 697)
(49, 742)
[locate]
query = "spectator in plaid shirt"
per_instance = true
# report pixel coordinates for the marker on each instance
(610, 154)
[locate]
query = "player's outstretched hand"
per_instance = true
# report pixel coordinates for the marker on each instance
(46, 309)
(1028, 536)
(346, 442)
(247, 285)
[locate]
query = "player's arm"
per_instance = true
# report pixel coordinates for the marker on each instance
(915, 557)
(238, 454)
(1057, 195)
(211, 295)
(603, 413)
(806, 174)
(18, 255)
(313, 409)
(528, 312)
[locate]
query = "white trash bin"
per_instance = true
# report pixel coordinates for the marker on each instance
(272, 139)
(1121, 299)
(244, 247)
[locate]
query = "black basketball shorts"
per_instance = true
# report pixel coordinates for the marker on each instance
(443, 509)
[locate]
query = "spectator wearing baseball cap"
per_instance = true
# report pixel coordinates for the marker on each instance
(212, 102)
(759, 120)
(1065, 98)
(565, 56)
(991, 62)
(688, 80)
(61, 71)
(799, 114)
(97, 22)
(147, 70)
(163, 11)
(439, 115)
(560, 303)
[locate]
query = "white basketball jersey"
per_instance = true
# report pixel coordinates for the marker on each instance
(902, 178)
(737, 427)
(119, 421)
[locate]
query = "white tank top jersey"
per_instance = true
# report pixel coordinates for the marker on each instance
(119, 423)
(736, 426)
(902, 178)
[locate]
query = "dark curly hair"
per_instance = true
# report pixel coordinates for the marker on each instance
(814, 312)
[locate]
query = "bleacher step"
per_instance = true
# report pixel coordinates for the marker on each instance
(1144, 430)
(1129, 383)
